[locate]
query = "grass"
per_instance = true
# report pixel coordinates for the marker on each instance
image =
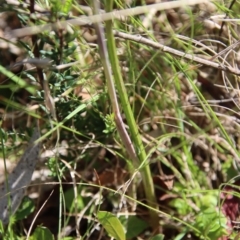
(139, 133)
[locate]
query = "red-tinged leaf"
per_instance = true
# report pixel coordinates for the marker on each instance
(111, 177)
(111, 224)
(230, 203)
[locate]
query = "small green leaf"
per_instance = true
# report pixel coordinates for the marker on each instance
(135, 226)
(110, 124)
(26, 207)
(70, 200)
(158, 237)
(111, 224)
(211, 224)
(55, 6)
(180, 236)
(66, 7)
(42, 233)
(180, 204)
(209, 200)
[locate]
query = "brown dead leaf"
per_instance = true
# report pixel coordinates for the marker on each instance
(111, 177)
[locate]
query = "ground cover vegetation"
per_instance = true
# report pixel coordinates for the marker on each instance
(137, 113)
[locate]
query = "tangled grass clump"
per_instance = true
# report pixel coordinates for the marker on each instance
(138, 117)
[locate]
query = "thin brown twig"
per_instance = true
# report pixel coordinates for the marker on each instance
(159, 46)
(81, 21)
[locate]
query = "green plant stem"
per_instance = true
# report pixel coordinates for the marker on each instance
(136, 138)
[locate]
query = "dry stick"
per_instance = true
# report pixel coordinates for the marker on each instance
(148, 42)
(113, 97)
(13, 189)
(104, 17)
